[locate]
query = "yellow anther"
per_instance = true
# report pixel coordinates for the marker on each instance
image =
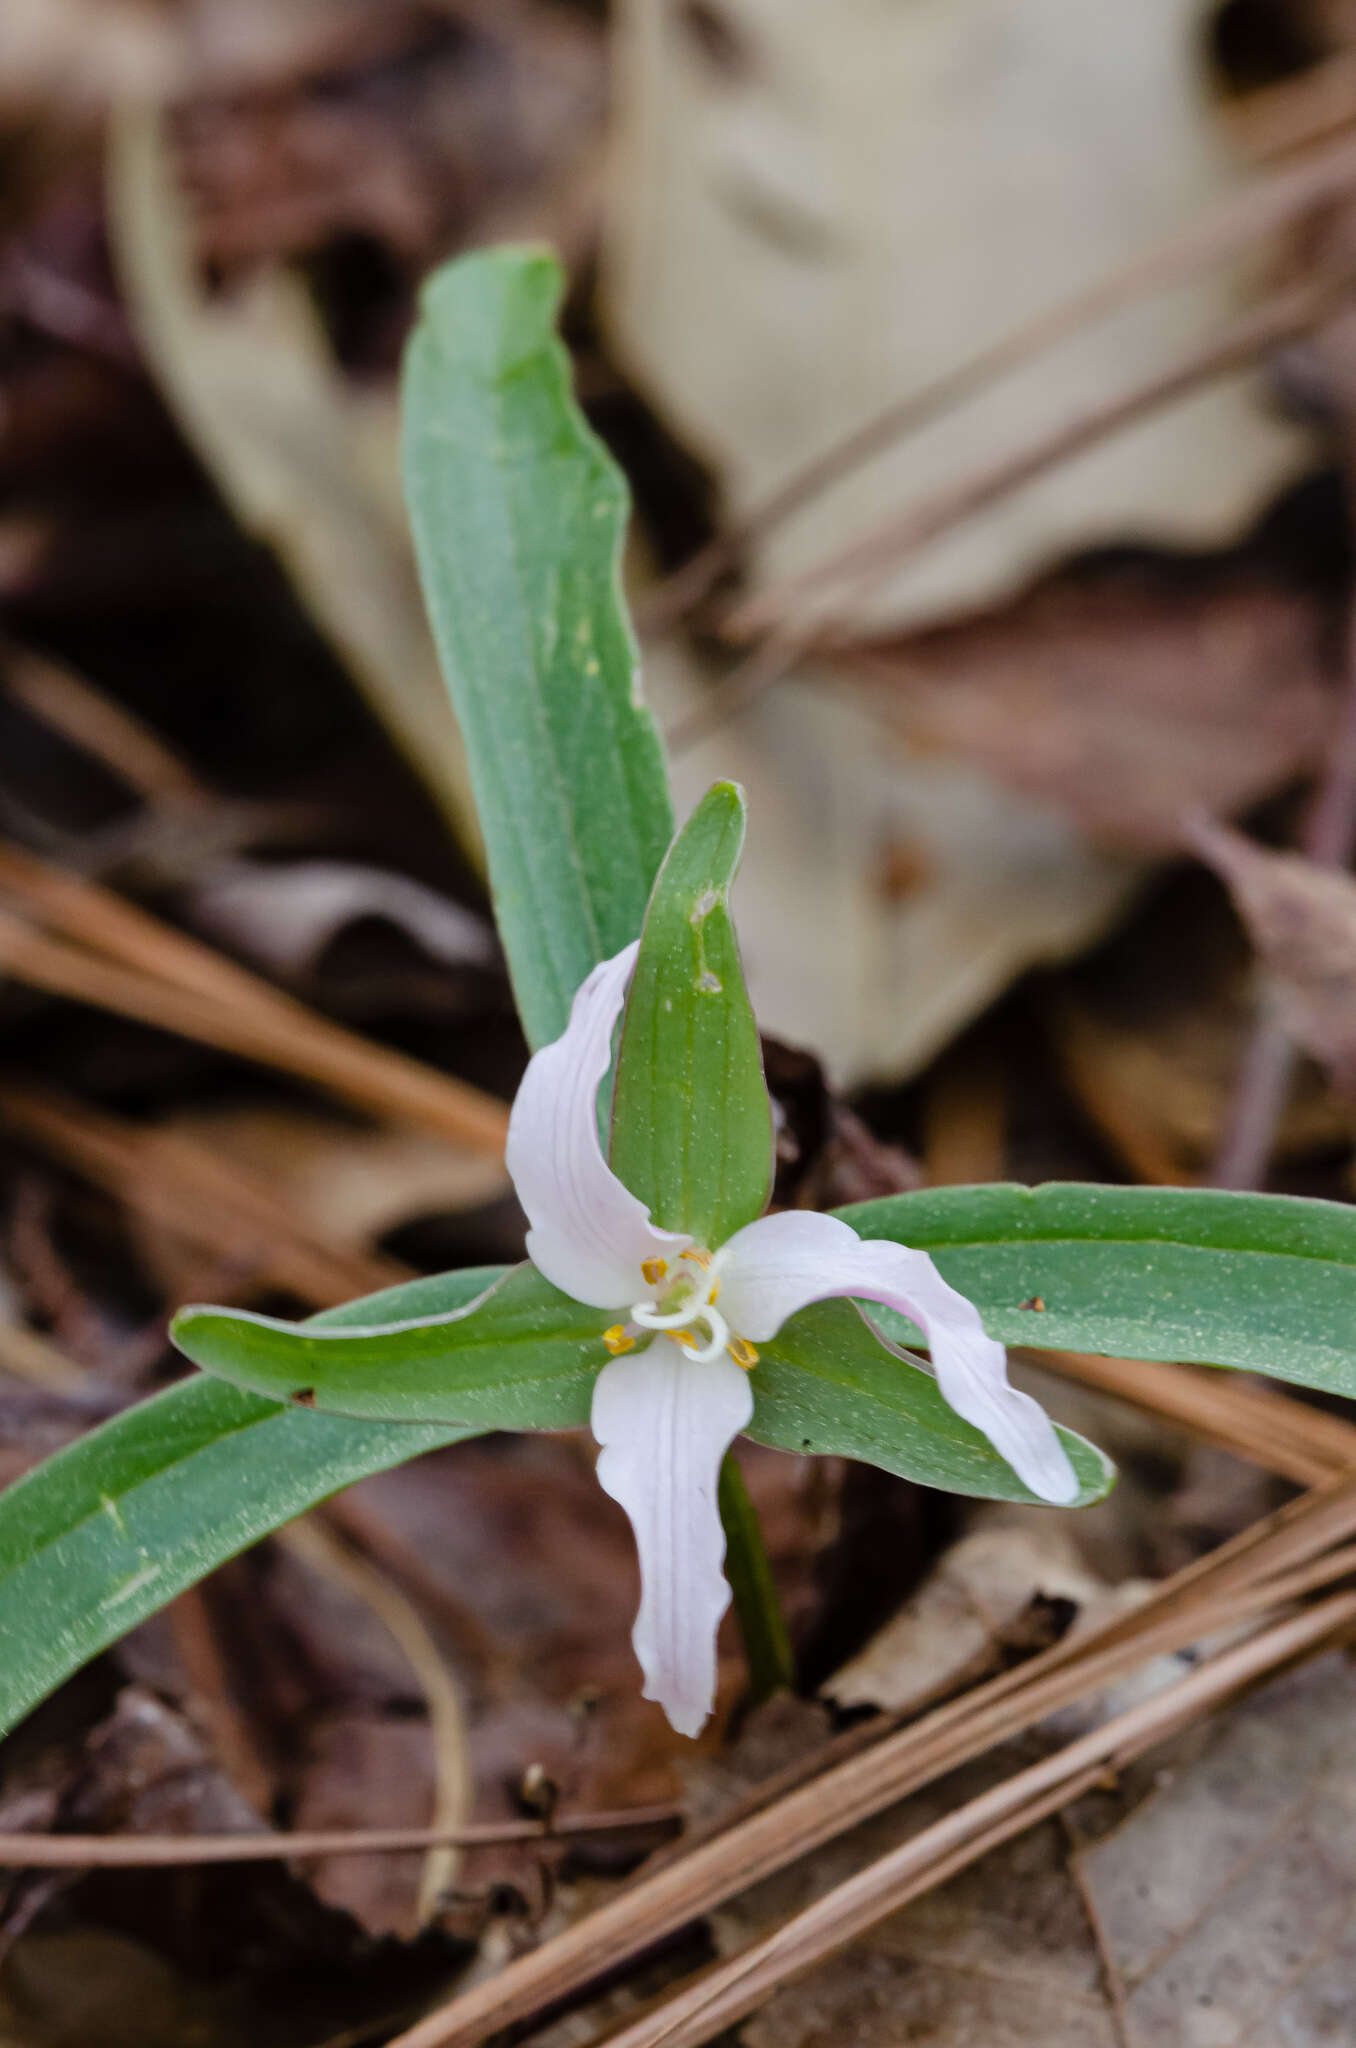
(742, 1352)
(617, 1340)
(713, 1291)
(654, 1271)
(682, 1336)
(697, 1256)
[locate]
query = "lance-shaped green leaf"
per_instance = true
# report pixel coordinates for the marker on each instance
(1266, 1282)
(521, 1355)
(518, 516)
(691, 1120)
(104, 1533)
(825, 1384)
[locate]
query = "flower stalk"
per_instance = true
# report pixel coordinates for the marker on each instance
(757, 1604)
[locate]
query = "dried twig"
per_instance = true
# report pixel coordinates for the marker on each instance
(36, 1359)
(454, 1782)
(1284, 316)
(198, 1645)
(1212, 1593)
(1261, 209)
(207, 1200)
(99, 726)
(724, 1994)
(121, 958)
(792, 613)
(1258, 1423)
(136, 1852)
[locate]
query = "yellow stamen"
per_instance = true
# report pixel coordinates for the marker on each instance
(617, 1340)
(713, 1291)
(742, 1352)
(697, 1256)
(654, 1270)
(682, 1336)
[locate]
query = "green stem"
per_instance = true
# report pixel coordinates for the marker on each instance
(767, 1645)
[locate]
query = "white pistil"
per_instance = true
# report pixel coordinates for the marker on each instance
(695, 1298)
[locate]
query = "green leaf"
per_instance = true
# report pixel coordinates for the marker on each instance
(1265, 1282)
(104, 1533)
(518, 516)
(691, 1120)
(108, 1530)
(825, 1385)
(521, 1356)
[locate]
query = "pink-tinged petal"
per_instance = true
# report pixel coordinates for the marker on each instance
(665, 1423)
(590, 1235)
(780, 1264)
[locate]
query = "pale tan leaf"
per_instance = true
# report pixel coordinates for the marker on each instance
(308, 462)
(817, 211)
(914, 886)
(1227, 1900)
(1014, 1582)
(1302, 920)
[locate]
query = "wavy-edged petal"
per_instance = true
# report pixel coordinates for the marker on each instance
(780, 1264)
(664, 1423)
(589, 1234)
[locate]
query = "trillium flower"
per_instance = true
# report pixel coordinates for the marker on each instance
(679, 1386)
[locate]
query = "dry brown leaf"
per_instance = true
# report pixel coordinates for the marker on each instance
(1002, 1955)
(815, 212)
(360, 1767)
(348, 1185)
(415, 128)
(825, 1154)
(389, 1903)
(1227, 1899)
(80, 55)
(524, 1575)
(73, 1988)
(1221, 1913)
(307, 460)
(79, 51)
(1124, 698)
(1302, 920)
(1012, 1585)
(917, 885)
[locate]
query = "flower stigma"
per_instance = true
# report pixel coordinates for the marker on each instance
(685, 1312)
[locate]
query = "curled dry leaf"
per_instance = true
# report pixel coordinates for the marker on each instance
(1123, 698)
(1302, 920)
(284, 917)
(1013, 1585)
(825, 1155)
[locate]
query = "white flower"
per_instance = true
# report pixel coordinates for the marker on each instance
(665, 1415)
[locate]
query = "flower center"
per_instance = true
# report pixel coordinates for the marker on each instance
(682, 1302)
